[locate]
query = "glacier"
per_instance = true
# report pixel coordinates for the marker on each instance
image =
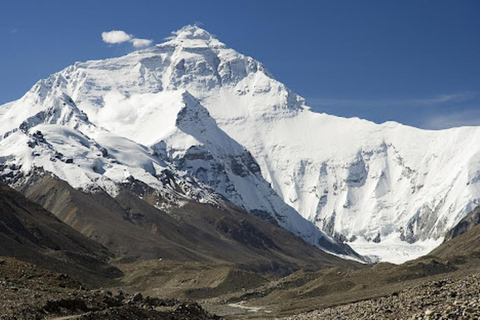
(220, 122)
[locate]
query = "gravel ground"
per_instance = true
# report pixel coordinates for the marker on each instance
(444, 299)
(28, 292)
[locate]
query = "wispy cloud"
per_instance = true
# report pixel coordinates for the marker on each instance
(381, 103)
(435, 112)
(120, 36)
(469, 117)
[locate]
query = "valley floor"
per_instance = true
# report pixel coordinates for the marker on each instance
(425, 289)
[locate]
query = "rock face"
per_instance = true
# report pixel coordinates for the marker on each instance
(467, 223)
(199, 109)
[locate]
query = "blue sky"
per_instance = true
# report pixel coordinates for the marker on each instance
(413, 61)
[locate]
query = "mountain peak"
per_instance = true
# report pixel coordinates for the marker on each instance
(192, 35)
(192, 32)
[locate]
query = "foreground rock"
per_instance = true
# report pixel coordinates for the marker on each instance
(28, 292)
(444, 299)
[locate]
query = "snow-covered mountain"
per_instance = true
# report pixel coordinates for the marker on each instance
(219, 121)
(145, 136)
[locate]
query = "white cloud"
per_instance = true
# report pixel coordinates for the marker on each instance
(115, 36)
(118, 109)
(120, 36)
(141, 42)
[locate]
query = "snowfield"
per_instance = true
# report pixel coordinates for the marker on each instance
(197, 108)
